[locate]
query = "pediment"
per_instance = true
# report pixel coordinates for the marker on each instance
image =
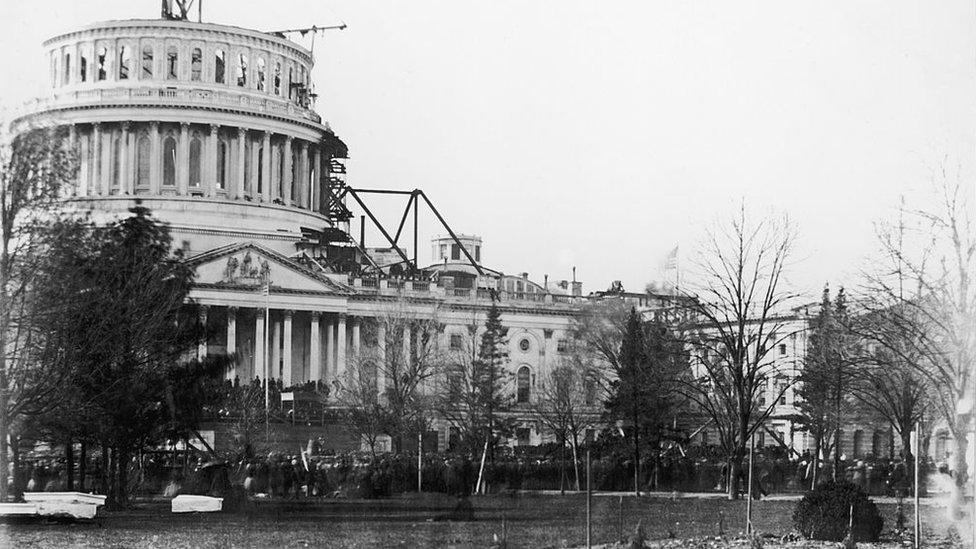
(249, 265)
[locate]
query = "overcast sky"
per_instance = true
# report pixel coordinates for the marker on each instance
(602, 134)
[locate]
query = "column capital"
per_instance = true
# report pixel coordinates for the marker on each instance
(343, 316)
(289, 139)
(232, 310)
(184, 126)
(214, 128)
(289, 313)
(304, 146)
(204, 308)
(241, 131)
(125, 126)
(267, 134)
(316, 315)
(97, 126)
(154, 125)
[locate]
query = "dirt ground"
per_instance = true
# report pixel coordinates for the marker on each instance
(535, 521)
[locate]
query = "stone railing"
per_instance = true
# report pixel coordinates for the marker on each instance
(418, 288)
(175, 96)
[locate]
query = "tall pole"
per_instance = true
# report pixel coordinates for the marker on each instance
(918, 518)
(589, 498)
(420, 460)
(752, 452)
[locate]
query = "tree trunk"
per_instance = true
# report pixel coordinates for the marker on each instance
(18, 487)
(636, 459)
(4, 425)
(104, 470)
(960, 442)
(122, 488)
(735, 467)
(82, 466)
(69, 465)
(816, 462)
(576, 462)
(562, 465)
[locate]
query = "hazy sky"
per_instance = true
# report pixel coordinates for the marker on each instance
(602, 134)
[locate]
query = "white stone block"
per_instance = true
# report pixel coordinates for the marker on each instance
(196, 504)
(17, 509)
(64, 497)
(62, 509)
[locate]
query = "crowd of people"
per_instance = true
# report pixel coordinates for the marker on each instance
(362, 475)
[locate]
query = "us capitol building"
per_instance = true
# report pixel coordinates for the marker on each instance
(212, 127)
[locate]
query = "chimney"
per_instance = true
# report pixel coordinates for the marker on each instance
(577, 289)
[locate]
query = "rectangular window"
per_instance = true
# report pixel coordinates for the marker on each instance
(522, 434)
(455, 252)
(443, 251)
(456, 342)
(196, 64)
(124, 60)
(219, 66)
(477, 254)
(782, 349)
(172, 63)
(562, 345)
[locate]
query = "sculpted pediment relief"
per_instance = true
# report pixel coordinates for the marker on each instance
(252, 266)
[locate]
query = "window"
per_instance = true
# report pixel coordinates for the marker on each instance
(455, 251)
(522, 383)
(261, 74)
(67, 69)
(84, 68)
(277, 78)
(242, 70)
(169, 161)
(782, 349)
(522, 436)
(100, 63)
(589, 391)
(147, 62)
(172, 63)
(443, 251)
(260, 170)
(858, 444)
(562, 345)
(196, 64)
(142, 161)
(291, 89)
(456, 342)
(125, 59)
(195, 158)
(219, 64)
(477, 254)
(222, 164)
(524, 344)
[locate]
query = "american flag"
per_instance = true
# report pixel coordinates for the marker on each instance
(671, 260)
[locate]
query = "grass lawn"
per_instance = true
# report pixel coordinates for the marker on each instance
(412, 521)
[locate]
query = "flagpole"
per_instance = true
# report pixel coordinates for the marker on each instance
(267, 380)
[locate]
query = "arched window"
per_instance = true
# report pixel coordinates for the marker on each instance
(116, 156)
(84, 68)
(100, 63)
(125, 60)
(147, 62)
(522, 380)
(169, 161)
(858, 445)
(222, 164)
(261, 73)
(242, 70)
(277, 78)
(195, 158)
(67, 69)
(260, 188)
(877, 443)
(291, 75)
(142, 161)
(219, 64)
(196, 64)
(281, 170)
(172, 63)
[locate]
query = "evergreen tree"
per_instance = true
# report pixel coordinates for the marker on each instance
(490, 380)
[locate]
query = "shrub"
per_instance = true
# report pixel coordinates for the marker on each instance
(823, 514)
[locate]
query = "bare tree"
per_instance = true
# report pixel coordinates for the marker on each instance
(926, 291)
(392, 378)
(739, 319)
(35, 169)
(567, 400)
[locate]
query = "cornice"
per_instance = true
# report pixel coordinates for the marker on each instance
(104, 29)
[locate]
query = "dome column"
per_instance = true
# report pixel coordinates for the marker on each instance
(125, 181)
(73, 148)
(84, 153)
(183, 161)
(316, 180)
(315, 349)
(210, 179)
(303, 175)
(286, 372)
(96, 158)
(232, 340)
(286, 185)
(155, 153)
(241, 151)
(266, 185)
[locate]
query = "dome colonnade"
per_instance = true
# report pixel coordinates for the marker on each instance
(166, 108)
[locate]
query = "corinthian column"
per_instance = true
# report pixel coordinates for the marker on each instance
(125, 181)
(232, 339)
(316, 180)
(183, 165)
(303, 174)
(314, 355)
(155, 159)
(286, 350)
(266, 167)
(286, 185)
(238, 192)
(96, 155)
(210, 173)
